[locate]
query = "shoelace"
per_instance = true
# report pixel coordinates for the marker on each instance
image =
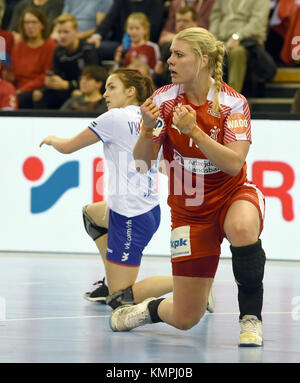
(249, 325)
(99, 282)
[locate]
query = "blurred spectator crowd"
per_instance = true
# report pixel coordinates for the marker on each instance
(57, 54)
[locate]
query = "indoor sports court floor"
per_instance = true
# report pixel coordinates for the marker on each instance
(45, 319)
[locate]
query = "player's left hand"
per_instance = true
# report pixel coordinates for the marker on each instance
(184, 118)
(47, 141)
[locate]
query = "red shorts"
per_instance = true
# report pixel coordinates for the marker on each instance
(193, 244)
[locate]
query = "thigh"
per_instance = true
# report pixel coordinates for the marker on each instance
(244, 210)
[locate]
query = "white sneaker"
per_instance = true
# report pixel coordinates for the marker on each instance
(251, 332)
(127, 317)
(211, 301)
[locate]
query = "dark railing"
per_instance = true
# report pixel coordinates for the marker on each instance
(87, 114)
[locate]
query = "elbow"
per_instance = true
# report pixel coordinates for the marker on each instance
(141, 166)
(64, 149)
(235, 170)
(233, 173)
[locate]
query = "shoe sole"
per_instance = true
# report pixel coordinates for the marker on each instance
(111, 326)
(250, 345)
(101, 300)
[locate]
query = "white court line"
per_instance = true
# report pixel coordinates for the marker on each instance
(263, 313)
(107, 316)
(55, 318)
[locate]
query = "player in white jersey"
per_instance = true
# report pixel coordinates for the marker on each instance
(124, 225)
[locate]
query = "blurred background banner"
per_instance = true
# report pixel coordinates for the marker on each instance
(43, 191)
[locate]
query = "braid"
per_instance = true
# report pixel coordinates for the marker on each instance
(218, 74)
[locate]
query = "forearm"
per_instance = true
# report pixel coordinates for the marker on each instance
(144, 151)
(224, 158)
(60, 144)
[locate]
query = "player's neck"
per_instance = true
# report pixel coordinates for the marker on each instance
(197, 92)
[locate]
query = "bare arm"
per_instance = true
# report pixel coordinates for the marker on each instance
(145, 150)
(70, 145)
(229, 158)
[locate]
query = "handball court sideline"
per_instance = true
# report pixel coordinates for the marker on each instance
(44, 318)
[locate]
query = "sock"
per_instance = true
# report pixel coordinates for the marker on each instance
(250, 269)
(153, 308)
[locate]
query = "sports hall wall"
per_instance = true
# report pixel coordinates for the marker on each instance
(43, 191)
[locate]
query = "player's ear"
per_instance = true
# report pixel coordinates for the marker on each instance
(131, 91)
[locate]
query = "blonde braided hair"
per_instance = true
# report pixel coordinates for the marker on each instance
(202, 43)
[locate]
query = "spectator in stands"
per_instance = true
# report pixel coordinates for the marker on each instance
(6, 45)
(51, 8)
(8, 96)
(141, 67)
(89, 14)
(185, 17)
(138, 29)
(285, 22)
(69, 60)
(110, 32)
(234, 22)
(32, 56)
(202, 8)
(89, 96)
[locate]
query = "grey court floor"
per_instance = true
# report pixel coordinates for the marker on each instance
(45, 319)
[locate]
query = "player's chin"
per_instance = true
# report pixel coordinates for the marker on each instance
(175, 80)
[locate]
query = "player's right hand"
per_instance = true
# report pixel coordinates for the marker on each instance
(149, 114)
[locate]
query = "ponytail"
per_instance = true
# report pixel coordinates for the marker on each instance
(143, 85)
(218, 74)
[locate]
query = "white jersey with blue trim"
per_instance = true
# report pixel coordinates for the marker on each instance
(129, 193)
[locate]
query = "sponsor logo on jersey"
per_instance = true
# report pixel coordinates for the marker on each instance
(158, 127)
(214, 133)
(125, 257)
(214, 114)
(180, 242)
(195, 165)
(237, 123)
(127, 244)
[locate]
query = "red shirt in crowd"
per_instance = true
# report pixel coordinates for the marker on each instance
(147, 53)
(8, 96)
(30, 65)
